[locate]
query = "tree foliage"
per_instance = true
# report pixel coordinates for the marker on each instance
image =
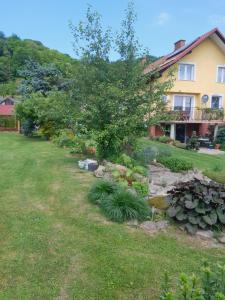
(41, 78)
(49, 114)
(14, 52)
(116, 100)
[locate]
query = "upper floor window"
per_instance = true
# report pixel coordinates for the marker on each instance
(221, 74)
(186, 71)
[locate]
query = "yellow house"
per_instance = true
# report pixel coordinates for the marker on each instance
(196, 100)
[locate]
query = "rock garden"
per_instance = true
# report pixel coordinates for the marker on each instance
(151, 190)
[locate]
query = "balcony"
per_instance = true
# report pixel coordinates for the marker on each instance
(196, 114)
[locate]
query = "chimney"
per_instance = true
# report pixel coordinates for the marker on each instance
(179, 44)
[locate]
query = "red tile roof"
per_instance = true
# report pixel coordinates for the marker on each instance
(6, 110)
(168, 60)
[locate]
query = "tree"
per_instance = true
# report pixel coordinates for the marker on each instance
(40, 78)
(116, 99)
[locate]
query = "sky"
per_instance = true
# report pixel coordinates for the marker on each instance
(159, 22)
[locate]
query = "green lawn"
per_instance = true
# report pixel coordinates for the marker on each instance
(211, 165)
(55, 245)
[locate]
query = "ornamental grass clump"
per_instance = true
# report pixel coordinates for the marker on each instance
(100, 190)
(123, 206)
(118, 203)
(197, 205)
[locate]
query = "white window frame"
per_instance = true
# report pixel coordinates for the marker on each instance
(221, 100)
(217, 73)
(194, 70)
(183, 106)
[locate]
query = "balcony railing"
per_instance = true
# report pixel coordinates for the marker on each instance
(196, 114)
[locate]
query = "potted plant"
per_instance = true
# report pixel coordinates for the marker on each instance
(217, 146)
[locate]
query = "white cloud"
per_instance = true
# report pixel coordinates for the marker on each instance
(163, 18)
(217, 19)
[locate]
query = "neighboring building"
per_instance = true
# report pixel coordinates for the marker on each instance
(7, 119)
(196, 100)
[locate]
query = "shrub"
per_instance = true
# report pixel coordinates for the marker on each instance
(208, 284)
(101, 190)
(65, 138)
(140, 170)
(125, 160)
(220, 139)
(141, 188)
(222, 147)
(197, 205)
(193, 143)
(146, 155)
(164, 139)
(123, 206)
(175, 164)
(28, 127)
(178, 144)
(164, 152)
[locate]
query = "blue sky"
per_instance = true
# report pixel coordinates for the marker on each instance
(160, 22)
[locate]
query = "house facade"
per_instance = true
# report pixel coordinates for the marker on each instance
(8, 121)
(197, 99)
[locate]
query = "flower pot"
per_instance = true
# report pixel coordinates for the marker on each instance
(91, 150)
(217, 146)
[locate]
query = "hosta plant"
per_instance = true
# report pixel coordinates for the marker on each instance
(197, 205)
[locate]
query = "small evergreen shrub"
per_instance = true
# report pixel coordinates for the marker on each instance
(146, 155)
(197, 205)
(164, 152)
(126, 161)
(141, 188)
(123, 206)
(208, 284)
(164, 139)
(175, 164)
(101, 190)
(193, 143)
(220, 139)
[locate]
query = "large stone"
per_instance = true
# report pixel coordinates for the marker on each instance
(140, 178)
(99, 172)
(152, 226)
(162, 179)
(149, 226)
(132, 223)
(221, 239)
(205, 234)
(110, 167)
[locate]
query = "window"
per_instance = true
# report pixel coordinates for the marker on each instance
(216, 102)
(186, 72)
(221, 74)
(183, 102)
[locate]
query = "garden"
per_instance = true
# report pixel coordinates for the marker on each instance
(94, 209)
(57, 243)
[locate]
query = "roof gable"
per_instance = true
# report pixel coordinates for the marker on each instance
(6, 110)
(170, 59)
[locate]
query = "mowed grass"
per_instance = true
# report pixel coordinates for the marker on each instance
(212, 166)
(55, 245)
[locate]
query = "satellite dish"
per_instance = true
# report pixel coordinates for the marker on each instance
(205, 98)
(164, 98)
